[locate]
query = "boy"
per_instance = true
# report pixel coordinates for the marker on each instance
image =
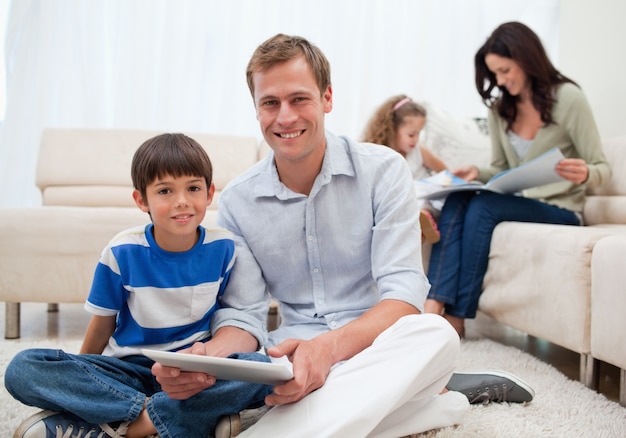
(158, 287)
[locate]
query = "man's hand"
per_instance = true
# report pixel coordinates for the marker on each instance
(180, 385)
(311, 361)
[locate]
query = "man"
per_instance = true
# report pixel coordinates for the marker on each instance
(329, 229)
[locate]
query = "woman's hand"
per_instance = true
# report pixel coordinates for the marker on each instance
(573, 169)
(468, 173)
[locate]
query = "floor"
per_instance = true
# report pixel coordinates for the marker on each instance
(71, 320)
(562, 359)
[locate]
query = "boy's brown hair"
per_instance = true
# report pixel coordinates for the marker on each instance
(169, 154)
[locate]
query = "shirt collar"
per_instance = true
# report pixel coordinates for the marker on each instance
(337, 161)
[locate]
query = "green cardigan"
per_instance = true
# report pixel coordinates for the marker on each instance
(574, 132)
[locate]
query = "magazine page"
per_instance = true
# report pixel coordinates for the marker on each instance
(535, 173)
(443, 183)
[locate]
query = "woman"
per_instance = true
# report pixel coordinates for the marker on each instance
(534, 109)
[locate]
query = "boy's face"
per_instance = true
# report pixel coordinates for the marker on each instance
(290, 109)
(177, 206)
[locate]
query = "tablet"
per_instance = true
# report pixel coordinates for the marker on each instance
(223, 368)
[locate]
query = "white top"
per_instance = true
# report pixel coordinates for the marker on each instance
(416, 163)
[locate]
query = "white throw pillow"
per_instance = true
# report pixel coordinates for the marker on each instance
(456, 140)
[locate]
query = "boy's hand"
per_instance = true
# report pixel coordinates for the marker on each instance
(180, 385)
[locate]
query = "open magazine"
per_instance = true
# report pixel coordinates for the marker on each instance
(535, 173)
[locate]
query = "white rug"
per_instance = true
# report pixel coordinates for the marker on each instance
(561, 408)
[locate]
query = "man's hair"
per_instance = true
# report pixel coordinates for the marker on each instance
(169, 154)
(282, 48)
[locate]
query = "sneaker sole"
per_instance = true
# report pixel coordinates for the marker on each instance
(518, 382)
(228, 426)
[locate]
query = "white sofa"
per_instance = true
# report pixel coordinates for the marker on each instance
(542, 279)
(48, 253)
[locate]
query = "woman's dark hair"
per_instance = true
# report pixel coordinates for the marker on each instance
(169, 154)
(518, 42)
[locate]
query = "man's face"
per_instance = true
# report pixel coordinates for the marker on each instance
(290, 109)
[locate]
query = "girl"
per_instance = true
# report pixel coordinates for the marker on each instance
(397, 123)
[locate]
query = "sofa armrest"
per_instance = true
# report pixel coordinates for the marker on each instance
(608, 300)
(539, 280)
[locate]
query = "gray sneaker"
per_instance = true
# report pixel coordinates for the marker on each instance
(491, 386)
(251, 416)
(228, 426)
(51, 424)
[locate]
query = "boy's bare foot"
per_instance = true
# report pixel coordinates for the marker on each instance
(433, 306)
(430, 232)
(457, 323)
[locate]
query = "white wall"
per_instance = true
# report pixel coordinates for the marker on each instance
(591, 52)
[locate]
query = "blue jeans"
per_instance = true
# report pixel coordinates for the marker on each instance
(102, 389)
(458, 262)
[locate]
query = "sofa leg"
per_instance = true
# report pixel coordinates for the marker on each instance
(53, 307)
(12, 321)
(589, 371)
(273, 318)
(622, 387)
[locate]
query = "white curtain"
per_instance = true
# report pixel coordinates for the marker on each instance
(178, 65)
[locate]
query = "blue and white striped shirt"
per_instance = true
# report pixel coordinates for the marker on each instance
(163, 300)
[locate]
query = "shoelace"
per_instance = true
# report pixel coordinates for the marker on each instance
(105, 432)
(81, 433)
(486, 396)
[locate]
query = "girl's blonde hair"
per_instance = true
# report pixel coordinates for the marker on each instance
(382, 127)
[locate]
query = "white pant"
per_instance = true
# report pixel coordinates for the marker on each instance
(390, 389)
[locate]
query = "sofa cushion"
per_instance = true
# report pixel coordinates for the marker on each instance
(543, 269)
(615, 152)
(456, 140)
(605, 210)
(49, 253)
(607, 204)
(91, 167)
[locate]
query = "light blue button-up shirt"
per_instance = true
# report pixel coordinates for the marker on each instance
(326, 257)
